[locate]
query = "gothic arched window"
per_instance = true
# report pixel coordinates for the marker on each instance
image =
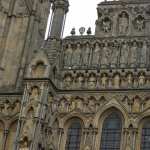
(111, 133)
(145, 141)
(74, 136)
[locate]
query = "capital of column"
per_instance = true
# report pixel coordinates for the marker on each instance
(64, 4)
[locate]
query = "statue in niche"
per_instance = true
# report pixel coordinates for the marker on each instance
(96, 55)
(136, 105)
(115, 56)
(143, 58)
(86, 55)
(123, 23)
(124, 55)
(106, 25)
(133, 55)
(104, 81)
(68, 56)
(68, 81)
(92, 81)
(139, 23)
(76, 58)
(142, 80)
(117, 81)
(34, 95)
(80, 81)
(106, 55)
(130, 80)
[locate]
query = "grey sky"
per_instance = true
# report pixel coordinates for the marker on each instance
(81, 13)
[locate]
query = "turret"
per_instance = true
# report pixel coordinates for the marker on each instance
(60, 9)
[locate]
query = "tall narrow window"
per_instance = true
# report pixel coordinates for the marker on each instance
(74, 136)
(111, 133)
(145, 143)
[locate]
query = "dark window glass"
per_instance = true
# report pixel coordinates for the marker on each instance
(111, 133)
(74, 136)
(145, 145)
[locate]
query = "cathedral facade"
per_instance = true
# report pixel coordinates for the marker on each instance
(81, 92)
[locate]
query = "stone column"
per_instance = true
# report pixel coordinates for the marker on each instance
(6, 131)
(94, 133)
(60, 133)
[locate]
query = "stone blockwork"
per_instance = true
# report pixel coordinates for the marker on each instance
(62, 95)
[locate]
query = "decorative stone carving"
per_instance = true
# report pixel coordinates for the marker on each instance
(27, 130)
(106, 24)
(68, 56)
(143, 56)
(115, 55)
(104, 81)
(133, 55)
(92, 81)
(106, 55)
(20, 8)
(24, 145)
(96, 55)
(130, 80)
(86, 55)
(136, 105)
(124, 54)
(142, 80)
(123, 23)
(38, 71)
(80, 81)
(117, 81)
(68, 80)
(139, 23)
(76, 58)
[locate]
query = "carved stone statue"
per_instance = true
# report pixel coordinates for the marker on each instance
(68, 82)
(115, 56)
(86, 55)
(68, 56)
(34, 96)
(123, 23)
(142, 80)
(96, 55)
(80, 81)
(140, 23)
(117, 81)
(106, 55)
(92, 81)
(136, 105)
(106, 25)
(104, 81)
(130, 80)
(124, 55)
(143, 57)
(133, 55)
(76, 58)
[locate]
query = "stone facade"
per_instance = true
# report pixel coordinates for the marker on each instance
(87, 92)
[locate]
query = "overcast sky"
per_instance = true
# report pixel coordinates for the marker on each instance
(81, 13)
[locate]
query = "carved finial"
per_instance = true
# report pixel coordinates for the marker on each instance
(73, 31)
(89, 32)
(82, 30)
